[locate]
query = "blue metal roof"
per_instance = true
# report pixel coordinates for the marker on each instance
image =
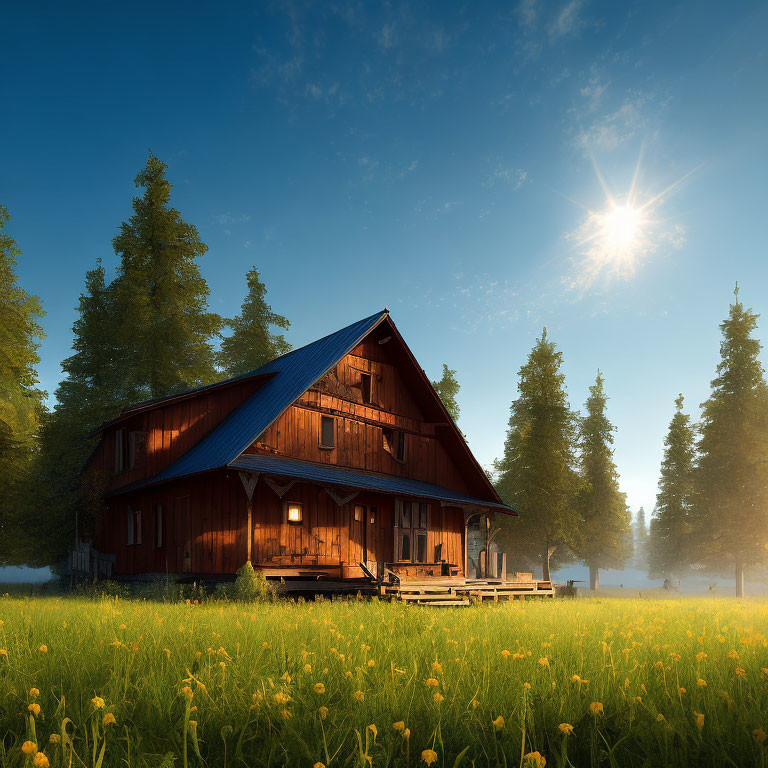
(333, 475)
(296, 372)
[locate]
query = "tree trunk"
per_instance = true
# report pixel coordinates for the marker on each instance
(545, 566)
(739, 579)
(594, 578)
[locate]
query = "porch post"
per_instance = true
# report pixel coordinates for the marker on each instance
(249, 480)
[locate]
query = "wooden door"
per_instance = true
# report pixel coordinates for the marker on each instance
(370, 539)
(183, 535)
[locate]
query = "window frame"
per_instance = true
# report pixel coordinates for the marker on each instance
(286, 506)
(395, 444)
(419, 517)
(133, 526)
(366, 389)
(324, 418)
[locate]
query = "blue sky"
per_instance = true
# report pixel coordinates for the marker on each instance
(436, 158)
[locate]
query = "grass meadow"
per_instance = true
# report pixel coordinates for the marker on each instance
(586, 682)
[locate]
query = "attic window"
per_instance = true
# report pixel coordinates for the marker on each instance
(366, 387)
(394, 443)
(327, 432)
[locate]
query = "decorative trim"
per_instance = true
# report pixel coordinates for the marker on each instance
(280, 490)
(249, 480)
(338, 498)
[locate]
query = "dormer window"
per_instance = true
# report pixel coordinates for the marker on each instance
(327, 432)
(366, 387)
(130, 449)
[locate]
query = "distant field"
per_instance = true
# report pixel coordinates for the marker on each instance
(641, 683)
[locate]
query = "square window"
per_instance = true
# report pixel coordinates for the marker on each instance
(358, 513)
(294, 512)
(327, 432)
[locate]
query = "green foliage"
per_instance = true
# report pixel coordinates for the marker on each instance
(252, 674)
(161, 299)
(252, 343)
(730, 498)
(605, 540)
(250, 585)
(448, 388)
(640, 537)
(670, 550)
(537, 474)
(20, 399)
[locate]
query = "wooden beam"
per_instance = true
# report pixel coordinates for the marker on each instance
(249, 481)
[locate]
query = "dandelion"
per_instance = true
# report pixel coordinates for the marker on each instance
(29, 747)
(3, 652)
(544, 661)
(43, 649)
(565, 728)
(527, 686)
(193, 724)
(358, 696)
(438, 697)
(535, 759)
(699, 719)
(34, 709)
(40, 760)
(432, 683)
(318, 688)
(681, 691)
(505, 653)
(429, 756)
(109, 719)
(318, 764)
(307, 668)
(323, 712)
(701, 683)
(33, 693)
(596, 708)
(98, 702)
(371, 662)
(499, 723)
(399, 726)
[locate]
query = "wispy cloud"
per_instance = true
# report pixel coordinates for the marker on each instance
(568, 21)
(516, 177)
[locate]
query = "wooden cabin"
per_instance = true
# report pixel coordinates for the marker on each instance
(334, 462)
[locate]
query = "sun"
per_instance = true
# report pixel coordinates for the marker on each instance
(622, 227)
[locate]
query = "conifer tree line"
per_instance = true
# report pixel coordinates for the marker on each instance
(145, 334)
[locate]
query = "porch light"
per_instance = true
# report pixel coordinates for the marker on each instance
(295, 514)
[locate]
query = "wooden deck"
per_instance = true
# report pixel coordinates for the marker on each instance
(460, 591)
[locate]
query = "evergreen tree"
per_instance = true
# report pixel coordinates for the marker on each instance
(252, 343)
(160, 296)
(448, 388)
(640, 540)
(90, 394)
(730, 504)
(605, 528)
(537, 472)
(20, 399)
(670, 527)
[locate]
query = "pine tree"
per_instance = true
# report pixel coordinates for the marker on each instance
(448, 388)
(90, 394)
(605, 528)
(730, 504)
(669, 549)
(537, 472)
(252, 343)
(640, 540)
(20, 399)
(161, 297)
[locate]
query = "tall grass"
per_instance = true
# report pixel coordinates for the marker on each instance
(641, 682)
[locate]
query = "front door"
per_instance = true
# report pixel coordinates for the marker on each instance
(364, 525)
(476, 543)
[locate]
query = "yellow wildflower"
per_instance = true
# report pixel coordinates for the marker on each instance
(43, 649)
(759, 735)
(498, 723)
(527, 686)
(282, 698)
(3, 652)
(660, 718)
(55, 738)
(565, 728)
(186, 691)
(399, 726)
(193, 724)
(371, 662)
(374, 730)
(40, 760)
(544, 661)
(109, 719)
(358, 696)
(98, 702)
(740, 672)
(286, 714)
(505, 653)
(437, 667)
(318, 688)
(432, 683)
(33, 693)
(429, 756)
(318, 764)
(701, 683)
(596, 708)
(307, 668)
(701, 655)
(323, 712)
(699, 718)
(34, 709)
(535, 759)
(407, 734)
(29, 747)
(438, 697)
(681, 691)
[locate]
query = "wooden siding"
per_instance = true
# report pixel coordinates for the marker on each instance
(359, 425)
(171, 430)
(205, 516)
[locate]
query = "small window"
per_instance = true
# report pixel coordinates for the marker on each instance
(327, 432)
(122, 450)
(366, 387)
(359, 511)
(405, 546)
(394, 443)
(294, 513)
(421, 547)
(158, 525)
